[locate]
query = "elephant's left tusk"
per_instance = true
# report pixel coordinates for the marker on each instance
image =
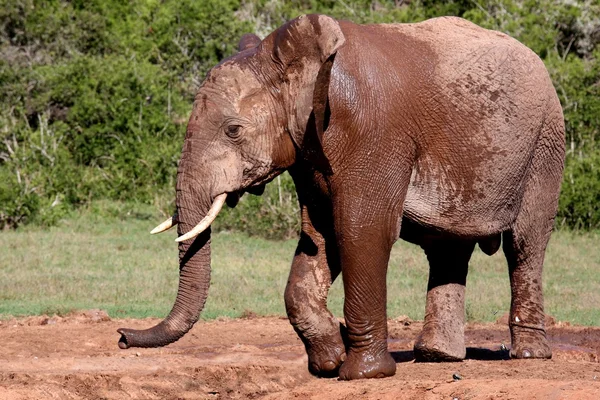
(206, 221)
(168, 224)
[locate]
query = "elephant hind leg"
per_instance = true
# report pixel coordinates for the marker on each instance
(525, 243)
(525, 254)
(442, 338)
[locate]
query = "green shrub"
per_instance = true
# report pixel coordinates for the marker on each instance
(580, 196)
(274, 215)
(96, 99)
(96, 94)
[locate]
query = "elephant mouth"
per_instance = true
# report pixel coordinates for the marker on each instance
(234, 197)
(256, 190)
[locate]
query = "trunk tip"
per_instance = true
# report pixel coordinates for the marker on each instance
(123, 340)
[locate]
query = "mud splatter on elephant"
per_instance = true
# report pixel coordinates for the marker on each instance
(441, 133)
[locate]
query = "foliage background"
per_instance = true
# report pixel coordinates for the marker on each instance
(95, 96)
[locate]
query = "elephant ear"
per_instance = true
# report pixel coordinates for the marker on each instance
(304, 50)
(248, 41)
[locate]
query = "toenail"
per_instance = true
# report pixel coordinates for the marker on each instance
(328, 366)
(539, 353)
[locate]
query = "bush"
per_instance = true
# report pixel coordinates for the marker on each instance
(96, 99)
(96, 95)
(274, 215)
(580, 194)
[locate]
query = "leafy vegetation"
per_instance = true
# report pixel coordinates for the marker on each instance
(105, 258)
(95, 95)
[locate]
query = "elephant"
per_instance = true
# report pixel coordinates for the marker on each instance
(441, 133)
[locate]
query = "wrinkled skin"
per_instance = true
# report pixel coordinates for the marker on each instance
(441, 133)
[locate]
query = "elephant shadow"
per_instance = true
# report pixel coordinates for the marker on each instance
(473, 353)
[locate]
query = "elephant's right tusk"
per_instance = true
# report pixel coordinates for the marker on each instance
(168, 224)
(206, 221)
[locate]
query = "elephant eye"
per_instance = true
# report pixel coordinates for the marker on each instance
(233, 131)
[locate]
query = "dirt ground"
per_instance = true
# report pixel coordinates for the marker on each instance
(76, 357)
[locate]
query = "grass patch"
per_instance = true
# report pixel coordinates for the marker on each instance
(109, 261)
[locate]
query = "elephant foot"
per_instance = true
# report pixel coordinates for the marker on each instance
(529, 343)
(365, 365)
(440, 343)
(324, 361)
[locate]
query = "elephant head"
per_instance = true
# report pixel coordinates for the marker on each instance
(248, 124)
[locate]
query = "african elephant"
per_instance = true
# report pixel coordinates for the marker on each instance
(442, 133)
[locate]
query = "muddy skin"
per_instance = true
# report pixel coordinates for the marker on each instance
(314, 269)
(306, 304)
(441, 133)
(443, 337)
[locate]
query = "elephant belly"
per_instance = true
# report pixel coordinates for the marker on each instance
(449, 204)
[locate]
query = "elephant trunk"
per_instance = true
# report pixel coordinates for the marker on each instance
(194, 280)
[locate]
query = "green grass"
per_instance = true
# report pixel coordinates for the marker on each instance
(111, 262)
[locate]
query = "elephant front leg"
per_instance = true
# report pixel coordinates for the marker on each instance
(366, 227)
(368, 202)
(306, 302)
(364, 265)
(442, 337)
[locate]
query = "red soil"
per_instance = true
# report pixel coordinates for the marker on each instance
(77, 357)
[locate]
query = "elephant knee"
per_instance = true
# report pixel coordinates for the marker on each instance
(290, 298)
(302, 306)
(296, 299)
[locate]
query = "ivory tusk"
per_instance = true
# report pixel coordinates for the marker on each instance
(207, 220)
(165, 226)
